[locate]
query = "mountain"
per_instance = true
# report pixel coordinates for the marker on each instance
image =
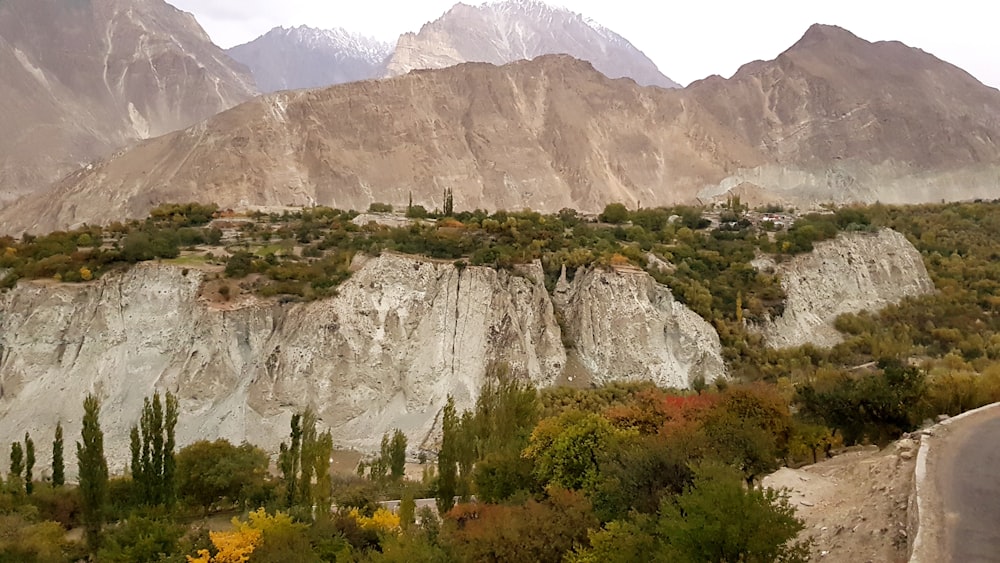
(844, 119)
(834, 118)
(509, 30)
(304, 57)
(84, 78)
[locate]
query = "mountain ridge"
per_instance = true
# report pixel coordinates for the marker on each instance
(83, 80)
(508, 30)
(816, 124)
(307, 57)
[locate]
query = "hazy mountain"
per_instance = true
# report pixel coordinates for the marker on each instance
(304, 57)
(81, 79)
(847, 120)
(509, 30)
(833, 118)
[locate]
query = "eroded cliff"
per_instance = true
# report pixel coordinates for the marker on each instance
(854, 272)
(402, 335)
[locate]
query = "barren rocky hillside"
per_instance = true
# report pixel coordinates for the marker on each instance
(544, 134)
(842, 119)
(401, 335)
(82, 79)
(833, 118)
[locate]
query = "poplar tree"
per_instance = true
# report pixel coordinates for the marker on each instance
(93, 469)
(289, 459)
(306, 458)
(14, 478)
(29, 463)
(397, 455)
(448, 458)
(152, 446)
(58, 469)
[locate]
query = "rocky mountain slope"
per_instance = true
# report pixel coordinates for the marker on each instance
(504, 31)
(305, 57)
(82, 79)
(854, 272)
(842, 119)
(402, 334)
(833, 118)
(544, 134)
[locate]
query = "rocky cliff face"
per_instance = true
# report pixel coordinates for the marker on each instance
(854, 272)
(400, 337)
(83, 78)
(508, 30)
(671, 347)
(304, 57)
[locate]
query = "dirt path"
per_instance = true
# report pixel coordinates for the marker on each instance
(854, 505)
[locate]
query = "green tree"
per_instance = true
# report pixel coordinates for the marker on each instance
(152, 446)
(878, 406)
(29, 463)
(447, 482)
(615, 213)
(565, 449)
(718, 519)
(93, 472)
(15, 478)
(210, 472)
(397, 455)
(307, 456)
(139, 539)
(407, 509)
(506, 411)
(58, 469)
(289, 457)
(448, 209)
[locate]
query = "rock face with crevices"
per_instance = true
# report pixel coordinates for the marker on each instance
(672, 348)
(401, 336)
(854, 272)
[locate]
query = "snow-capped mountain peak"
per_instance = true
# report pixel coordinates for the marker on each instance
(287, 58)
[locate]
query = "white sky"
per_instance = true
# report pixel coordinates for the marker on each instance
(688, 40)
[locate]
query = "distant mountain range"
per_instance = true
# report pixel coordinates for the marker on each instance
(510, 30)
(495, 32)
(834, 118)
(82, 79)
(304, 57)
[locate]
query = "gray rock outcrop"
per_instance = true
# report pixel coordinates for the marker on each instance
(401, 335)
(854, 272)
(672, 347)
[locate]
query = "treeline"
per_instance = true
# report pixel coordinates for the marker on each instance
(559, 475)
(86, 253)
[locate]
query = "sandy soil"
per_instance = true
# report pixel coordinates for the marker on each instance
(855, 504)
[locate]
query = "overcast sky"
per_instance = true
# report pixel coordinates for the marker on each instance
(688, 40)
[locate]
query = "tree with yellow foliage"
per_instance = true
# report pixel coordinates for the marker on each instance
(383, 521)
(232, 547)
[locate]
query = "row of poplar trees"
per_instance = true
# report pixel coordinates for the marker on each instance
(22, 463)
(153, 465)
